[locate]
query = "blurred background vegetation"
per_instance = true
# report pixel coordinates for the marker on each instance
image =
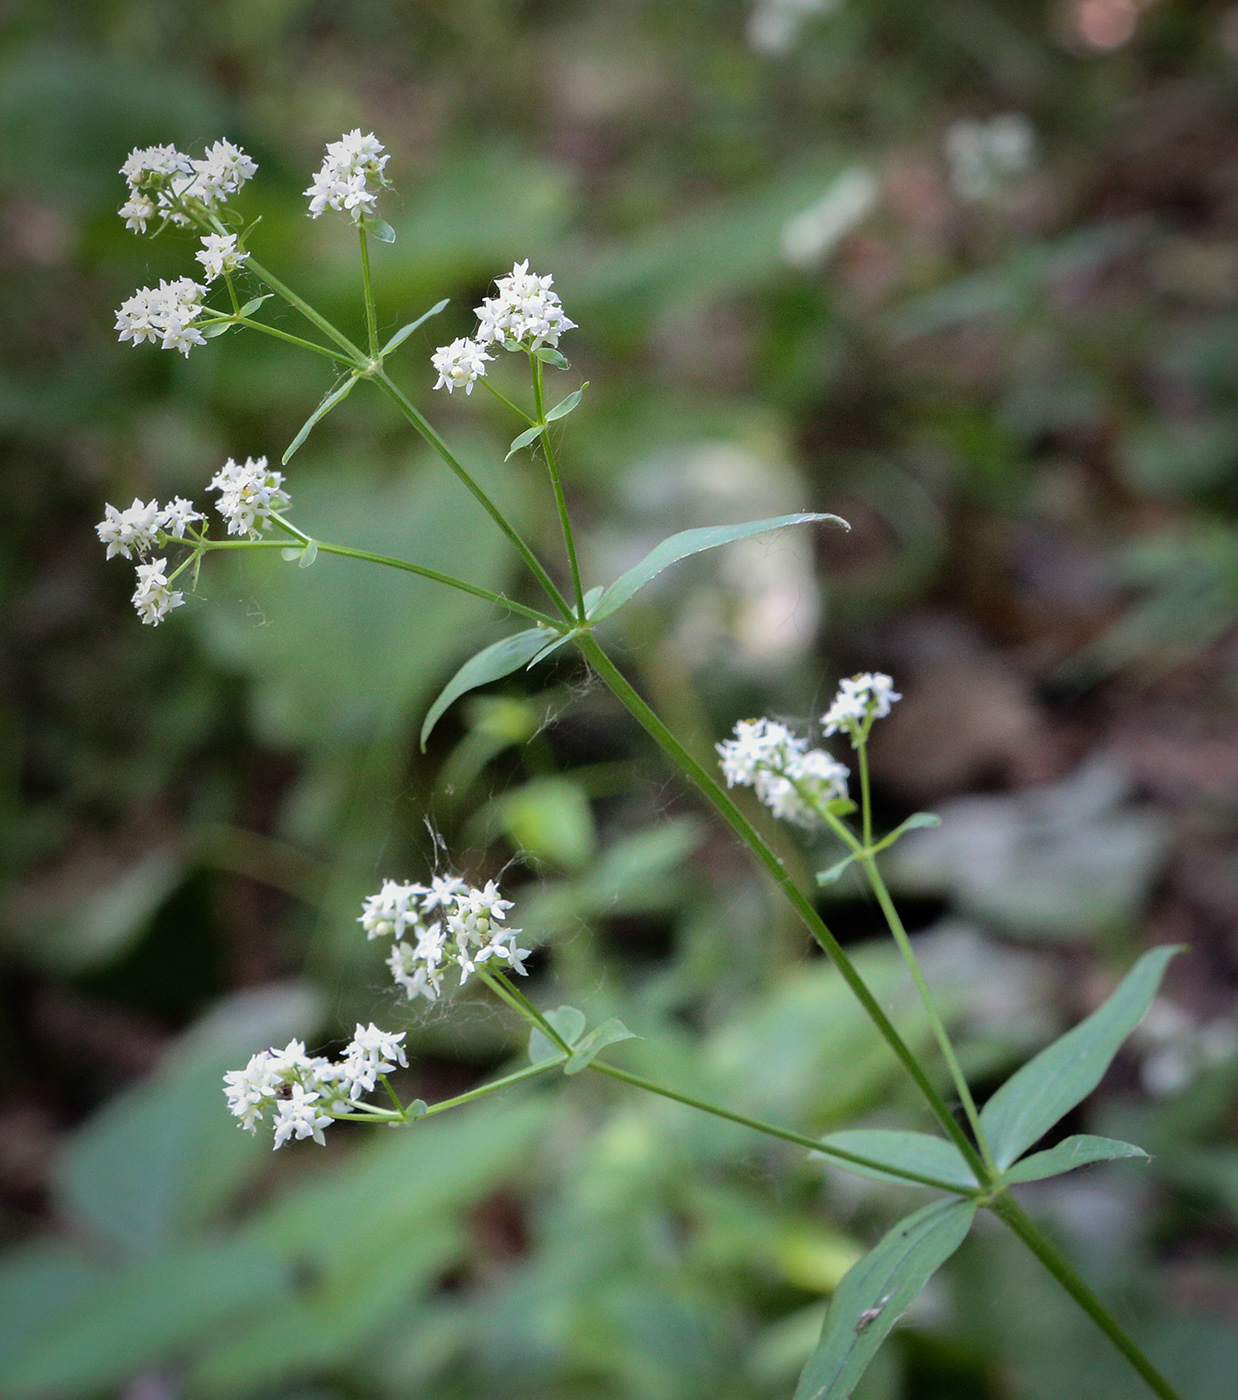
(965, 273)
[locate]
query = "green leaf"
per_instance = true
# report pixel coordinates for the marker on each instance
(215, 328)
(687, 542)
(417, 1109)
(591, 597)
(251, 306)
(608, 1033)
(336, 395)
(1074, 1152)
(405, 331)
(835, 872)
(876, 1292)
(1066, 1072)
(381, 230)
(570, 1024)
(915, 822)
(913, 1152)
(551, 357)
(524, 439)
(497, 660)
(552, 647)
(562, 409)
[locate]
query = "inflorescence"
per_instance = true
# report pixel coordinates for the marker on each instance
(526, 315)
(444, 924)
(308, 1092)
(250, 497)
(350, 177)
(795, 782)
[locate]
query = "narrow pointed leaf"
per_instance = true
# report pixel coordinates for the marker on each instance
(550, 648)
(499, 659)
(337, 395)
(551, 357)
(569, 1022)
(876, 1292)
(251, 306)
(687, 542)
(524, 439)
(835, 872)
(915, 822)
(1066, 1072)
(608, 1033)
(1074, 1152)
(913, 1152)
(216, 328)
(591, 598)
(563, 408)
(405, 331)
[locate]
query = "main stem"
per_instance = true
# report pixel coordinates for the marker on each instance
(748, 834)
(371, 318)
(565, 521)
(1004, 1205)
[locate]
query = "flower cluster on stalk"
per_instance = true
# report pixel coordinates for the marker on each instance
(525, 315)
(162, 179)
(306, 1093)
(438, 926)
(250, 495)
(796, 782)
(350, 177)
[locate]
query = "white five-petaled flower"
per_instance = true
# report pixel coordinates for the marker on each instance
(526, 314)
(154, 598)
(860, 700)
(219, 254)
(165, 313)
(350, 177)
(250, 494)
(460, 364)
(447, 924)
(791, 779)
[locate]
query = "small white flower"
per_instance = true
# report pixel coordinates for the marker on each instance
(350, 177)
(371, 1052)
(134, 529)
(164, 313)
(860, 700)
(220, 254)
(177, 516)
(460, 364)
(137, 211)
(984, 157)
(526, 314)
(791, 779)
(251, 1090)
(250, 495)
(300, 1115)
(221, 172)
(154, 598)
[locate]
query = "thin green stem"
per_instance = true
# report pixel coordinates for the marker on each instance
(772, 1130)
(894, 920)
(392, 1095)
(503, 399)
(1004, 1205)
(565, 520)
(493, 1087)
(423, 427)
(748, 834)
(371, 319)
(292, 339)
(370, 558)
(353, 352)
(232, 297)
(866, 803)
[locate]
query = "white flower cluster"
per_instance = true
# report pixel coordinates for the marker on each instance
(525, 315)
(1178, 1047)
(792, 780)
(860, 700)
(307, 1092)
(350, 177)
(249, 495)
(137, 531)
(161, 177)
(165, 313)
(220, 254)
(444, 924)
(983, 157)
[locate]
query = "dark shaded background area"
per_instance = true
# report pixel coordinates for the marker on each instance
(807, 273)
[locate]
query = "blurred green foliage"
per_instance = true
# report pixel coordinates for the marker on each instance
(1027, 404)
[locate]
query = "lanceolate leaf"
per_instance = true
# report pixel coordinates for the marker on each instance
(584, 1052)
(569, 1022)
(1073, 1152)
(562, 409)
(337, 395)
(524, 439)
(405, 331)
(876, 1292)
(687, 542)
(913, 1152)
(1066, 1072)
(499, 659)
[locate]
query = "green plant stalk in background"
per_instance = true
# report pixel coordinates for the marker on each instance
(987, 1160)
